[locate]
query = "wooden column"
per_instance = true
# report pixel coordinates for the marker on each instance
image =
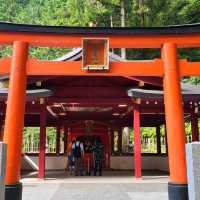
(137, 141)
(112, 141)
(158, 140)
(120, 140)
(175, 124)
(166, 143)
(14, 121)
(194, 126)
(58, 129)
(1, 129)
(65, 139)
(42, 150)
(109, 146)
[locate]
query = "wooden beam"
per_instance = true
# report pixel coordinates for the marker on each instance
(189, 68)
(74, 68)
(129, 68)
(115, 41)
(148, 80)
(125, 68)
(96, 101)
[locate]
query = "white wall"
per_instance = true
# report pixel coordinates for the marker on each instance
(116, 162)
(148, 162)
(52, 162)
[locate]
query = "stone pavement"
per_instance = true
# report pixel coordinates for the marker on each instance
(95, 191)
(96, 188)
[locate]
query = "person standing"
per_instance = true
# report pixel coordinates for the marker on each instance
(78, 152)
(88, 157)
(82, 158)
(98, 150)
(70, 157)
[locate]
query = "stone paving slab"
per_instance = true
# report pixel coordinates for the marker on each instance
(148, 196)
(95, 191)
(39, 192)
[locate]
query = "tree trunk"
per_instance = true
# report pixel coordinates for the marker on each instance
(142, 13)
(111, 24)
(122, 3)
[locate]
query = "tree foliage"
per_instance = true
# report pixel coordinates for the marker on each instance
(101, 13)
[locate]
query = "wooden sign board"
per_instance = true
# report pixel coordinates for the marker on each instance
(95, 54)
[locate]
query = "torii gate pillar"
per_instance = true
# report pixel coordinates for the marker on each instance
(14, 121)
(177, 187)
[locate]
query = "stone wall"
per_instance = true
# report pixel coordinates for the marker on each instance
(2, 169)
(193, 169)
(148, 163)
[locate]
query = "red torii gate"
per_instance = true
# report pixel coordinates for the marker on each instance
(168, 67)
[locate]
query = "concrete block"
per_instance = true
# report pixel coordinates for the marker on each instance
(2, 169)
(193, 169)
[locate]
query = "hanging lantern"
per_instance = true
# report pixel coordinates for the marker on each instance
(89, 126)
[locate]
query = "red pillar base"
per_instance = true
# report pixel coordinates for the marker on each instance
(13, 192)
(178, 191)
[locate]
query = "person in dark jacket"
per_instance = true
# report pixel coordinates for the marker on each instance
(98, 150)
(78, 153)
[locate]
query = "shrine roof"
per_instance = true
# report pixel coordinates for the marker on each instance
(30, 93)
(188, 92)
